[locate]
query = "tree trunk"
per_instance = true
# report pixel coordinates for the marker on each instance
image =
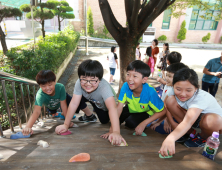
(2, 37)
(43, 29)
(126, 56)
(59, 23)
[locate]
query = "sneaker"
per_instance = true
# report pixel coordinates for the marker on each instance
(198, 141)
(85, 118)
(183, 138)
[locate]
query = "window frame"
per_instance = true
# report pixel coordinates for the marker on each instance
(166, 22)
(198, 11)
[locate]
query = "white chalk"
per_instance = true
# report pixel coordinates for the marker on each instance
(42, 143)
(75, 125)
(40, 124)
(48, 120)
(1, 156)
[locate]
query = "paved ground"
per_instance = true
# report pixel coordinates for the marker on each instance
(140, 154)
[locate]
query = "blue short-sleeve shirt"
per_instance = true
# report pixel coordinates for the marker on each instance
(213, 65)
(148, 101)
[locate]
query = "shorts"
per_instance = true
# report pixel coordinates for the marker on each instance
(112, 71)
(197, 122)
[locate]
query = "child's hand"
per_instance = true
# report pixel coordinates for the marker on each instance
(167, 145)
(106, 135)
(140, 128)
(116, 138)
(158, 79)
(167, 126)
(26, 131)
(154, 125)
(61, 129)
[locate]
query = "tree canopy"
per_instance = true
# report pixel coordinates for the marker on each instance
(6, 13)
(62, 11)
(204, 5)
(40, 13)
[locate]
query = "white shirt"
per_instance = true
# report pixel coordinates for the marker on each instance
(112, 60)
(167, 91)
(202, 100)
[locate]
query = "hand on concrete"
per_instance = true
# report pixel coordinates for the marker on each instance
(61, 129)
(26, 131)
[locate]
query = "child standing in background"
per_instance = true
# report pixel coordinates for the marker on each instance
(113, 63)
(150, 63)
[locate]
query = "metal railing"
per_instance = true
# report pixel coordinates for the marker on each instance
(20, 82)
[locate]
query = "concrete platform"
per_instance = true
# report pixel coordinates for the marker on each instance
(140, 154)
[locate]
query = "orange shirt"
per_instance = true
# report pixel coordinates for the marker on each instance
(154, 52)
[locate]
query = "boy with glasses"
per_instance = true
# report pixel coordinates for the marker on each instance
(91, 87)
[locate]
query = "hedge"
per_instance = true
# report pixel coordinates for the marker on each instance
(49, 54)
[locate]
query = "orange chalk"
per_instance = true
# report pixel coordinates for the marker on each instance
(81, 157)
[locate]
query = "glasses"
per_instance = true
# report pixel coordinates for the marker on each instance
(92, 82)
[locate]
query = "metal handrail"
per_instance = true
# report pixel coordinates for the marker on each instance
(21, 81)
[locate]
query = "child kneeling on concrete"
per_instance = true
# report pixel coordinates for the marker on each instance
(143, 105)
(192, 108)
(91, 87)
(51, 94)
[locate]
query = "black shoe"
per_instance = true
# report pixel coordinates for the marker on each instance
(85, 118)
(183, 138)
(198, 141)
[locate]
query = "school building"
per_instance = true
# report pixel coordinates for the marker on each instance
(164, 24)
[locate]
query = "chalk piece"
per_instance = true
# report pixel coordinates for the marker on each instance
(42, 143)
(81, 157)
(40, 124)
(143, 134)
(122, 144)
(66, 133)
(1, 156)
(165, 156)
(48, 120)
(75, 125)
(19, 135)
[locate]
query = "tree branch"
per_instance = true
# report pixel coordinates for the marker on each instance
(136, 8)
(162, 5)
(147, 10)
(110, 21)
(129, 9)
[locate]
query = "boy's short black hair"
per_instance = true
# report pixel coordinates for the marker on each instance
(173, 68)
(91, 68)
(112, 49)
(45, 76)
(174, 57)
(139, 67)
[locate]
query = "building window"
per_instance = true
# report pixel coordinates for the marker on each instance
(166, 19)
(204, 20)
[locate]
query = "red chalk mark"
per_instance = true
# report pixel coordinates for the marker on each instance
(66, 133)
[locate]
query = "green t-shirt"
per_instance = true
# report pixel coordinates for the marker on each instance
(51, 102)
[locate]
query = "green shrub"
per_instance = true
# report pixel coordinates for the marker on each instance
(49, 54)
(102, 32)
(162, 38)
(182, 32)
(90, 29)
(206, 38)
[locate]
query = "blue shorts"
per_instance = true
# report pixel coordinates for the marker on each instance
(112, 71)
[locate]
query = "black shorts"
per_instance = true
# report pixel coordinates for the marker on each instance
(197, 122)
